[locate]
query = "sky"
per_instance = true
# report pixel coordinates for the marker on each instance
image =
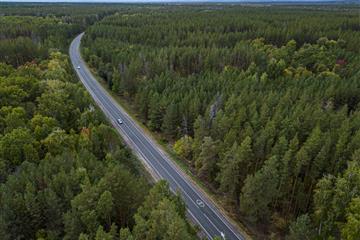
(140, 1)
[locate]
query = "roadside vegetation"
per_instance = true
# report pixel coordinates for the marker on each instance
(262, 103)
(64, 171)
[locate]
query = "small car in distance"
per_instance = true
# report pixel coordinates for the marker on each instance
(120, 121)
(78, 67)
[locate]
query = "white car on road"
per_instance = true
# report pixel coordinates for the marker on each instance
(120, 121)
(200, 203)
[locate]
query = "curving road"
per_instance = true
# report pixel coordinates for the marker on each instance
(199, 207)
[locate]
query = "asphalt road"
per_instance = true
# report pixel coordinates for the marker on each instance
(199, 208)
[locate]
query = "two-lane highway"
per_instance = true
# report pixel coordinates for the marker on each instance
(199, 207)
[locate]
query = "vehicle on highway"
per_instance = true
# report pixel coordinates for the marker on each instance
(200, 203)
(78, 67)
(120, 121)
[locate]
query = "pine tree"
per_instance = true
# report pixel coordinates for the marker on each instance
(260, 190)
(207, 160)
(117, 83)
(301, 229)
(200, 131)
(234, 168)
(155, 113)
(351, 229)
(105, 206)
(170, 123)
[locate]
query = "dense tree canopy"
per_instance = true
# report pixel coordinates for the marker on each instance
(64, 172)
(28, 30)
(261, 102)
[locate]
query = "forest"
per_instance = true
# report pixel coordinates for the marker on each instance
(261, 102)
(64, 171)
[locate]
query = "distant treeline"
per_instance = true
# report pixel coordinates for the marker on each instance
(28, 30)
